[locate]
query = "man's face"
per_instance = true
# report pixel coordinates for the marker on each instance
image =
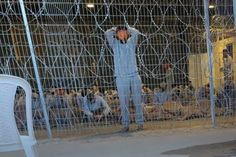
(225, 53)
(60, 91)
(122, 35)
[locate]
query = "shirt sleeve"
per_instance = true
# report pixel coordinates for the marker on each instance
(107, 108)
(109, 34)
(133, 31)
(85, 108)
(155, 99)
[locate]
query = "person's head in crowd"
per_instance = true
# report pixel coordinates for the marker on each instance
(60, 91)
(207, 87)
(94, 89)
(84, 92)
(51, 91)
(163, 86)
(225, 53)
(167, 66)
(145, 88)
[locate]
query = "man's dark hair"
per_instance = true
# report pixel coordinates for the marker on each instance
(118, 28)
(84, 92)
(225, 53)
(225, 50)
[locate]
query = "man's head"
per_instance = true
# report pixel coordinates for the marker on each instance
(225, 53)
(122, 34)
(167, 66)
(84, 92)
(60, 91)
(207, 87)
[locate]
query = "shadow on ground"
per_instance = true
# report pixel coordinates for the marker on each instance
(226, 149)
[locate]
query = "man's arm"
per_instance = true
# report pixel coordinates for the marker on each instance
(133, 31)
(109, 34)
(107, 108)
(85, 108)
(134, 34)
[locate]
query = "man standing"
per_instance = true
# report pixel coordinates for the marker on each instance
(123, 41)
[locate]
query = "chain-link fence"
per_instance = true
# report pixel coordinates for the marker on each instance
(77, 65)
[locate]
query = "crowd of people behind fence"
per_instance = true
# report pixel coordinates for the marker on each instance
(67, 107)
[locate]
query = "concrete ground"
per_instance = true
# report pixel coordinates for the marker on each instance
(195, 142)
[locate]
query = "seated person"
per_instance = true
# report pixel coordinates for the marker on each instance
(55, 98)
(176, 94)
(95, 107)
(59, 109)
(226, 95)
(81, 98)
(111, 95)
(147, 95)
(227, 69)
(204, 92)
(188, 95)
(161, 95)
(95, 89)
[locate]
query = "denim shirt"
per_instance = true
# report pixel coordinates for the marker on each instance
(124, 54)
(161, 97)
(99, 103)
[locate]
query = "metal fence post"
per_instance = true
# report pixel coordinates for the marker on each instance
(210, 60)
(234, 7)
(35, 68)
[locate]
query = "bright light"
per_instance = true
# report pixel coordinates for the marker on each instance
(90, 5)
(211, 6)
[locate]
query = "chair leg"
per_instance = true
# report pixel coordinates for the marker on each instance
(30, 151)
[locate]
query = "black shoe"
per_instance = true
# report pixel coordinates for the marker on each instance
(124, 130)
(140, 127)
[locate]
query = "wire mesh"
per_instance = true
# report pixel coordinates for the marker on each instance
(75, 59)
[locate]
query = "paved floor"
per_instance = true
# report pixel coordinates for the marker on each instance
(196, 142)
(225, 149)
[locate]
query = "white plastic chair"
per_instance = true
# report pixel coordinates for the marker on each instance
(10, 138)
